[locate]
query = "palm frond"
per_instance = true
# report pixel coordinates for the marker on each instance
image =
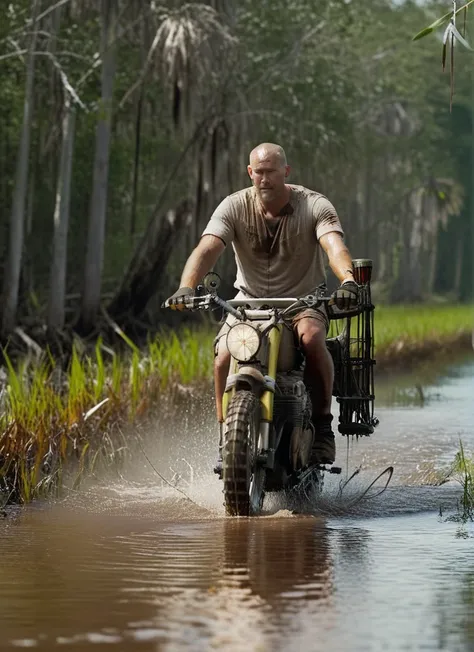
(190, 46)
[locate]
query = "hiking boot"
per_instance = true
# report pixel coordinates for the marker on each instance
(323, 450)
(219, 462)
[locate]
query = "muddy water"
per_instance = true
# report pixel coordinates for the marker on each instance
(136, 565)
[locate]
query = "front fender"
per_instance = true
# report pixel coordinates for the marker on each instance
(247, 378)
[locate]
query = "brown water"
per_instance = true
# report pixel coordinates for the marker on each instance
(136, 565)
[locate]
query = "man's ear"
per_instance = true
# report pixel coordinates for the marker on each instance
(287, 171)
(249, 170)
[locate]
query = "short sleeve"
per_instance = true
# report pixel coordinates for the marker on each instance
(221, 223)
(326, 217)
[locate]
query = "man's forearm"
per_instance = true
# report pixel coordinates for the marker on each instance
(341, 265)
(338, 254)
(201, 261)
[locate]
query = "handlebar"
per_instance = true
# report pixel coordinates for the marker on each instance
(262, 308)
(251, 306)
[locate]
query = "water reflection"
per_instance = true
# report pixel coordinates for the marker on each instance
(274, 583)
(457, 622)
(281, 560)
(223, 583)
(139, 568)
(420, 385)
(60, 580)
(467, 600)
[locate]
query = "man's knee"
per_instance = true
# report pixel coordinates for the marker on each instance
(311, 334)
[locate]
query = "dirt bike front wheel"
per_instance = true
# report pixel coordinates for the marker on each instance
(244, 478)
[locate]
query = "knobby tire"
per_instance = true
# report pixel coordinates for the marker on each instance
(243, 479)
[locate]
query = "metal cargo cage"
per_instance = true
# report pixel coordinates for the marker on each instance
(351, 345)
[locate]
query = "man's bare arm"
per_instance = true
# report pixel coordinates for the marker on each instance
(338, 254)
(201, 261)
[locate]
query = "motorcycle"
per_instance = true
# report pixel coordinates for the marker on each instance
(267, 432)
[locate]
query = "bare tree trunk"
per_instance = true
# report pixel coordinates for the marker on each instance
(30, 201)
(459, 264)
(368, 199)
(17, 220)
(98, 210)
(433, 263)
(142, 278)
(61, 220)
(138, 138)
(136, 162)
(400, 291)
(414, 286)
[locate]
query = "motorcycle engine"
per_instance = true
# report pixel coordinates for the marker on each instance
(292, 400)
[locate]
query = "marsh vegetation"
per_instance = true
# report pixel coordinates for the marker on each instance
(60, 422)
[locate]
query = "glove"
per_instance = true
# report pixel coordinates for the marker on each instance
(177, 300)
(346, 296)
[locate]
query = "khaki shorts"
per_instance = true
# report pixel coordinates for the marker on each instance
(320, 314)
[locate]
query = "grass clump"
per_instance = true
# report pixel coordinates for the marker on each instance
(463, 471)
(412, 326)
(50, 416)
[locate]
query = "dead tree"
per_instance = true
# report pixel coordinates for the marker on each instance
(142, 278)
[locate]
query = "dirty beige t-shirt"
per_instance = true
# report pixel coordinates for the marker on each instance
(283, 258)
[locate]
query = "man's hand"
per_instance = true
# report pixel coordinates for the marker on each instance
(346, 296)
(177, 300)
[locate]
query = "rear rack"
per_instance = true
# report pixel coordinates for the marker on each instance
(352, 351)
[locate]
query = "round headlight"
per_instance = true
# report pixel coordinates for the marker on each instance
(243, 342)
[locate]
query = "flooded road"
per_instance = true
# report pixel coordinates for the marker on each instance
(139, 566)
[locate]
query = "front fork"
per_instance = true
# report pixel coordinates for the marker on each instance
(266, 441)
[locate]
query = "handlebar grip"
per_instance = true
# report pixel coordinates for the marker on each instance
(187, 303)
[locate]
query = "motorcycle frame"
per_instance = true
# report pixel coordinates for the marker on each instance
(267, 444)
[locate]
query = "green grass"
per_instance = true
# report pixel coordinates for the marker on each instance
(419, 323)
(50, 416)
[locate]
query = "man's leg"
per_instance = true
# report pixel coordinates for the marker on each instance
(319, 378)
(221, 370)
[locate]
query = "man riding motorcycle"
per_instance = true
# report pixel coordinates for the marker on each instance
(279, 232)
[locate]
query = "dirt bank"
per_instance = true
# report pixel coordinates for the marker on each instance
(405, 353)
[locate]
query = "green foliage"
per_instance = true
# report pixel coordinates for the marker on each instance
(441, 21)
(434, 26)
(361, 111)
(463, 471)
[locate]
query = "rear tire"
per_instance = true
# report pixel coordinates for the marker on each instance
(244, 479)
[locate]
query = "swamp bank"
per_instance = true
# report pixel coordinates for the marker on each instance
(60, 424)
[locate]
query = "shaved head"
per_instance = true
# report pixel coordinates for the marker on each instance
(268, 170)
(268, 152)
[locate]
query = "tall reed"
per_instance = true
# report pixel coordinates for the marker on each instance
(49, 415)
